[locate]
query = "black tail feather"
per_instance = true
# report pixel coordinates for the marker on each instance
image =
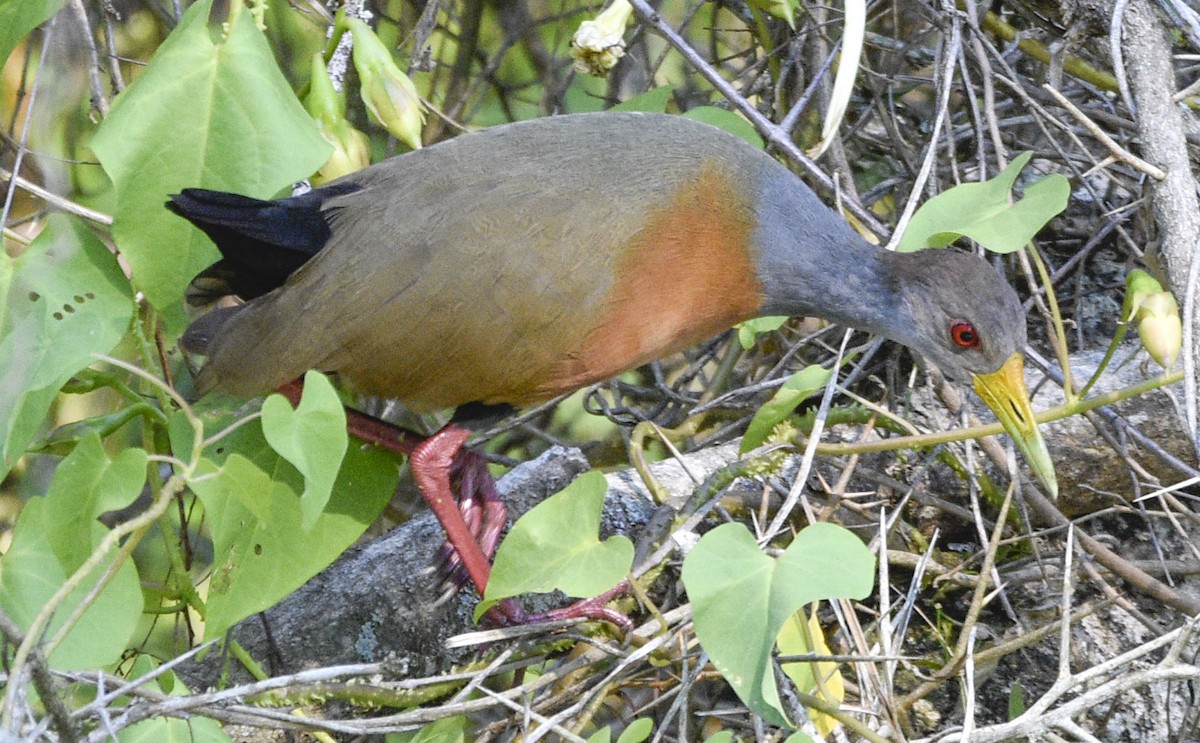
(261, 242)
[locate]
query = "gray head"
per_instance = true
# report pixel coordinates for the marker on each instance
(956, 311)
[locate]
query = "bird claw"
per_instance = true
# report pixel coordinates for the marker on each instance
(484, 512)
(449, 570)
(508, 613)
(440, 465)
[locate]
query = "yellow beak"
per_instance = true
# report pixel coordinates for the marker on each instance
(1004, 392)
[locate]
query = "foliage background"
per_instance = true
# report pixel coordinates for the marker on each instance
(946, 93)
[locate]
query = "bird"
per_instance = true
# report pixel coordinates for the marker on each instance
(509, 265)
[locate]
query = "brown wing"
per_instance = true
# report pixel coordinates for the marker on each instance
(451, 279)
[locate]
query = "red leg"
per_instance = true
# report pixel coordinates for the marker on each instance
(483, 510)
(472, 539)
(430, 463)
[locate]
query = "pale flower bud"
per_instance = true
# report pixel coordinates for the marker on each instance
(1157, 314)
(390, 97)
(600, 43)
(351, 152)
(1160, 328)
(327, 106)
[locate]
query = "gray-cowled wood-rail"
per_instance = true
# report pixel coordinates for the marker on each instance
(512, 264)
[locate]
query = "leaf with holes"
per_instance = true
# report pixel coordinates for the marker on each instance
(62, 300)
(253, 510)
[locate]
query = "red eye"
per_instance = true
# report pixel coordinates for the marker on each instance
(964, 334)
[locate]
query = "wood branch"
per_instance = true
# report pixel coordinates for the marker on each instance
(1164, 143)
(380, 603)
(383, 603)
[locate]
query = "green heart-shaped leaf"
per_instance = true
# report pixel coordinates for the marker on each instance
(741, 598)
(312, 437)
(982, 212)
(556, 546)
(212, 109)
(55, 534)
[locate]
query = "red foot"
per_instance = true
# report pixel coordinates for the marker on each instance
(473, 526)
(593, 608)
(430, 463)
(490, 513)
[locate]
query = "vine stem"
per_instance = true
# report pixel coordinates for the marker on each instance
(136, 526)
(1050, 414)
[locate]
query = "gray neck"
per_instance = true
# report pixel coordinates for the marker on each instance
(812, 263)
